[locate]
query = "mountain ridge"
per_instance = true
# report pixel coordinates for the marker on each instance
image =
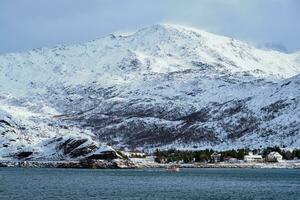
(163, 86)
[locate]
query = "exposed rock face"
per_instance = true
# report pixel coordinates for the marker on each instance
(105, 155)
(85, 148)
(24, 154)
(75, 147)
(69, 145)
(162, 87)
(103, 164)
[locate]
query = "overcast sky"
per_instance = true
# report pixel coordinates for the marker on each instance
(27, 24)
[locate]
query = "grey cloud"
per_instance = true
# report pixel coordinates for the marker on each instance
(26, 24)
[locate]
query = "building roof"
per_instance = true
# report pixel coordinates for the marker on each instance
(215, 154)
(274, 153)
(253, 156)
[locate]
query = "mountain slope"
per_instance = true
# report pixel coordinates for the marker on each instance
(163, 86)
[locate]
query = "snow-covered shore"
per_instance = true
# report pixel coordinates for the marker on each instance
(87, 164)
(230, 165)
(125, 164)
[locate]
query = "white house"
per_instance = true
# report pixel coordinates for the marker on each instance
(252, 158)
(144, 161)
(134, 154)
(274, 157)
(215, 157)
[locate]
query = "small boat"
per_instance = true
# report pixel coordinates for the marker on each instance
(172, 168)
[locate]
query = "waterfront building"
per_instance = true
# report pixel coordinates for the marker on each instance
(215, 157)
(274, 157)
(252, 158)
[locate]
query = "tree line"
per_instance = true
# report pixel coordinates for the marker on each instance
(173, 155)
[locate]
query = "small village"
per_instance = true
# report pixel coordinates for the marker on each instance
(271, 157)
(244, 158)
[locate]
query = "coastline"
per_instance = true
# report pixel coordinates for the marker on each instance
(285, 165)
(125, 164)
(76, 164)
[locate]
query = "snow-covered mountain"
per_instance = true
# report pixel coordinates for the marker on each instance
(162, 86)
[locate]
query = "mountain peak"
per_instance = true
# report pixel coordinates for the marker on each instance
(161, 48)
(169, 27)
(173, 30)
(160, 86)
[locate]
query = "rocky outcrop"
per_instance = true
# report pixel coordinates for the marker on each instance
(104, 155)
(24, 154)
(77, 147)
(83, 163)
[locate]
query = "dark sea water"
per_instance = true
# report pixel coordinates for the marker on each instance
(81, 184)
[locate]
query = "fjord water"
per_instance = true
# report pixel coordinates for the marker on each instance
(84, 184)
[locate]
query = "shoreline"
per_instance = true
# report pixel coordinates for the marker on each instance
(232, 166)
(121, 164)
(76, 164)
